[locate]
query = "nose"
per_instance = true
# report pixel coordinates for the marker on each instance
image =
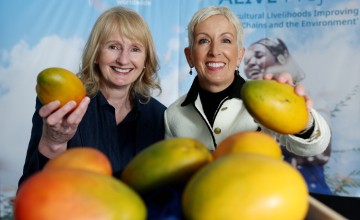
(123, 57)
(214, 49)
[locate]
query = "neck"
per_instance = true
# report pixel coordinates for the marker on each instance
(120, 100)
(214, 88)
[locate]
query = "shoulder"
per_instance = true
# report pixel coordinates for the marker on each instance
(177, 103)
(175, 107)
(152, 105)
(156, 103)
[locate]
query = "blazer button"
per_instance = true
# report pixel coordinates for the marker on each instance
(217, 130)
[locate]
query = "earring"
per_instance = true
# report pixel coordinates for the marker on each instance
(190, 72)
(237, 71)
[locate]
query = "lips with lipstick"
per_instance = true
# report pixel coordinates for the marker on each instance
(215, 65)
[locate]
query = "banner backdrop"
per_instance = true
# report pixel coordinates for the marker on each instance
(321, 38)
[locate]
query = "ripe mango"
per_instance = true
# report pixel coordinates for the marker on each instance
(165, 162)
(246, 186)
(249, 142)
(59, 84)
(83, 158)
(275, 105)
(76, 194)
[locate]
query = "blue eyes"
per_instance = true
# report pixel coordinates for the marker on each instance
(227, 41)
(135, 49)
(204, 41)
(115, 47)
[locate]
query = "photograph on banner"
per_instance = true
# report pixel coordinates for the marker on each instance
(271, 55)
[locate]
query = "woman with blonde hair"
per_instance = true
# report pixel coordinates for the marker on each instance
(118, 116)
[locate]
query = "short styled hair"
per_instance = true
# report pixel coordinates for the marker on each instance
(204, 13)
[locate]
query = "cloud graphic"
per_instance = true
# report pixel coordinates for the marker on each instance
(18, 103)
(172, 48)
(98, 4)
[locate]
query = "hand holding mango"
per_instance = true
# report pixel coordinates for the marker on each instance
(276, 104)
(59, 84)
(63, 95)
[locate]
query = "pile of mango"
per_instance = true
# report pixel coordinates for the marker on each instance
(77, 185)
(233, 182)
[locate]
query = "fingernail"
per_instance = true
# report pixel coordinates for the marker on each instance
(72, 103)
(56, 102)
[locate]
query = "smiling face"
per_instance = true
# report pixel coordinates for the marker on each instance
(121, 61)
(215, 53)
(257, 59)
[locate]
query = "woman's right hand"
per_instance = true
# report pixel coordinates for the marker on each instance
(60, 125)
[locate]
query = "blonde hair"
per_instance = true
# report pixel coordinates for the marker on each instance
(204, 13)
(130, 24)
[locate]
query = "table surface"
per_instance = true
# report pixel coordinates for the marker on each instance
(346, 206)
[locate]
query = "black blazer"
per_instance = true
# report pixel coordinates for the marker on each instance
(98, 129)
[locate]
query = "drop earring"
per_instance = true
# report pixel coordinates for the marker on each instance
(237, 71)
(190, 72)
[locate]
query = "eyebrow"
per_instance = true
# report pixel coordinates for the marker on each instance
(135, 43)
(222, 34)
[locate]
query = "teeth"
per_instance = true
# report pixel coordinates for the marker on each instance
(121, 70)
(215, 64)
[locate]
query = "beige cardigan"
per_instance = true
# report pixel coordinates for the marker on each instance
(232, 117)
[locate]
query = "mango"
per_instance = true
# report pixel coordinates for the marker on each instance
(83, 158)
(246, 186)
(249, 142)
(76, 194)
(59, 84)
(275, 105)
(170, 161)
